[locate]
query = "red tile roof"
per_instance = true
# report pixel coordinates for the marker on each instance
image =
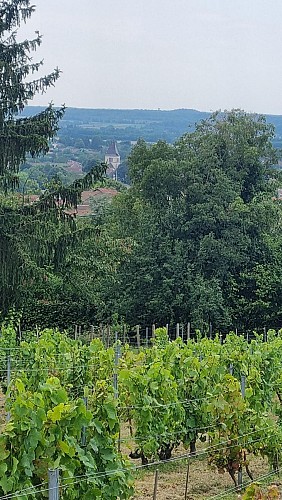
(84, 208)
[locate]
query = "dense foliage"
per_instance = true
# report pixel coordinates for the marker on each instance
(33, 237)
(199, 228)
(67, 400)
(61, 415)
(196, 237)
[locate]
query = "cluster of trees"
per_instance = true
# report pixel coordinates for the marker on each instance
(34, 177)
(35, 173)
(200, 229)
(196, 237)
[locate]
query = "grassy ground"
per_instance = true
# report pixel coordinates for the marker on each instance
(203, 481)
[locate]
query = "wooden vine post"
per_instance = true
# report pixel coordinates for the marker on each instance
(177, 330)
(187, 479)
(240, 471)
(8, 417)
(108, 336)
(188, 331)
(156, 484)
(124, 334)
(138, 336)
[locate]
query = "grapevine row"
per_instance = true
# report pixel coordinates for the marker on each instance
(74, 399)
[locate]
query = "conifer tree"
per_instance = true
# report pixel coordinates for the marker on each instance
(31, 237)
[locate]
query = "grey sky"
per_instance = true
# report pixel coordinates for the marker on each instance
(202, 54)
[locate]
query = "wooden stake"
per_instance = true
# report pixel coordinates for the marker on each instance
(187, 479)
(8, 381)
(188, 331)
(240, 471)
(108, 335)
(210, 331)
(156, 484)
(177, 330)
(240, 477)
(138, 336)
(20, 332)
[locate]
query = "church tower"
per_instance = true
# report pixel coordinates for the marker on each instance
(112, 159)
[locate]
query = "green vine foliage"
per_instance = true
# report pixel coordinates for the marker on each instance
(205, 399)
(156, 411)
(45, 431)
(168, 394)
(258, 491)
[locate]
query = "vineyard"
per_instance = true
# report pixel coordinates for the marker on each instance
(98, 416)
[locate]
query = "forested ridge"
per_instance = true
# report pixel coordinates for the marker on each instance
(132, 124)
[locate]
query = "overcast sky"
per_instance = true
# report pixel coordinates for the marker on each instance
(168, 54)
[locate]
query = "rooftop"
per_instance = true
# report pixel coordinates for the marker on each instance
(112, 149)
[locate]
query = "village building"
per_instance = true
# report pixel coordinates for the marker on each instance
(112, 160)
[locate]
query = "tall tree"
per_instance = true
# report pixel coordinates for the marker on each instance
(199, 218)
(31, 236)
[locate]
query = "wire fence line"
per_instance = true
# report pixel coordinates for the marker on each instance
(234, 489)
(120, 407)
(194, 429)
(26, 491)
(137, 336)
(181, 457)
(67, 482)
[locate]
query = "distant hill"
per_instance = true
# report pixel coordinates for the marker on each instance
(87, 115)
(131, 124)
(125, 124)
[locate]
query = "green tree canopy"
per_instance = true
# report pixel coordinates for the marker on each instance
(31, 236)
(199, 219)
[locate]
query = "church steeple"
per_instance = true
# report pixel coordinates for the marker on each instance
(112, 159)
